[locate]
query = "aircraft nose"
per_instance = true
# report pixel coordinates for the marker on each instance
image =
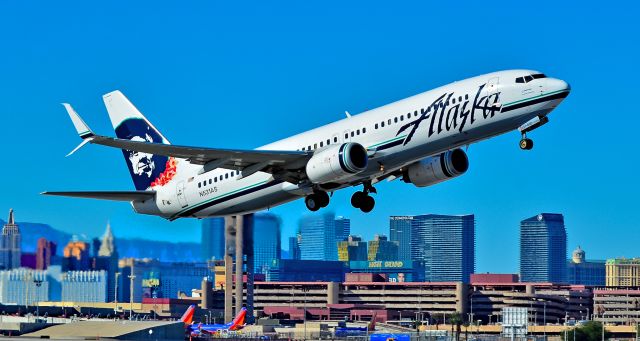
(555, 84)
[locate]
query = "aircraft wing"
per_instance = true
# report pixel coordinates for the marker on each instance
(108, 195)
(236, 159)
(282, 163)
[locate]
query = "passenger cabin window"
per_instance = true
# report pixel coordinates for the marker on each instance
(335, 139)
(321, 143)
(199, 184)
(328, 142)
(395, 120)
(382, 124)
(364, 130)
(376, 126)
(352, 134)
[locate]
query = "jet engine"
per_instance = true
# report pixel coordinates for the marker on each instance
(337, 162)
(435, 169)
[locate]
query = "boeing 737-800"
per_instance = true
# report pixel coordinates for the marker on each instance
(416, 139)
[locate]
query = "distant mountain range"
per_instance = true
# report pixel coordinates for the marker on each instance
(137, 248)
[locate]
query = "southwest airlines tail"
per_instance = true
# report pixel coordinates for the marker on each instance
(146, 170)
(239, 321)
(187, 317)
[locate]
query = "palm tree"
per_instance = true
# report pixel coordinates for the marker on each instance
(456, 320)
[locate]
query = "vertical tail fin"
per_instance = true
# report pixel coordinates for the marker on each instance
(372, 325)
(146, 170)
(187, 317)
(239, 321)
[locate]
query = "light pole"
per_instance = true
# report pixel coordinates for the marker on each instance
(131, 277)
(304, 290)
(38, 283)
(115, 308)
(544, 320)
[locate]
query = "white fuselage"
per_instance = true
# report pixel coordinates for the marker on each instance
(397, 135)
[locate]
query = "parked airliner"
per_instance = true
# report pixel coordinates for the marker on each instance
(417, 139)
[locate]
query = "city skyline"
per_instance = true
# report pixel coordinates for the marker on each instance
(370, 235)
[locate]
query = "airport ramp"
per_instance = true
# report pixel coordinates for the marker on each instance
(120, 330)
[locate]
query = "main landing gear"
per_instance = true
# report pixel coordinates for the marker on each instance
(363, 200)
(317, 200)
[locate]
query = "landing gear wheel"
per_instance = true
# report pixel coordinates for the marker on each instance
(367, 204)
(312, 202)
(323, 198)
(357, 198)
(526, 144)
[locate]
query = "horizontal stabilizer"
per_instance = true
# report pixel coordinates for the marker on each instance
(108, 195)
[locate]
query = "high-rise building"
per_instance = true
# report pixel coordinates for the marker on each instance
(352, 249)
(400, 232)
(318, 237)
(161, 279)
(266, 241)
(381, 249)
(107, 244)
(84, 286)
(10, 251)
(585, 272)
(543, 249)
(446, 245)
(343, 228)
(212, 238)
(623, 272)
(107, 260)
(23, 286)
(294, 247)
(45, 252)
(76, 256)
(291, 270)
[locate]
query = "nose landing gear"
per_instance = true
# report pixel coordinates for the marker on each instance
(525, 143)
(536, 122)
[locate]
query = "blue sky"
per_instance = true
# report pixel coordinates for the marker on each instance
(239, 76)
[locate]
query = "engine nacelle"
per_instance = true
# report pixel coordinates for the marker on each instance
(435, 169)
(337, 162)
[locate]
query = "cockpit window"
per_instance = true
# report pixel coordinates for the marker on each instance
(529, 78)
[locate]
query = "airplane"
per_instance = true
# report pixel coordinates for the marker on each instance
(200, 328)
(419, 139)
(342, 330)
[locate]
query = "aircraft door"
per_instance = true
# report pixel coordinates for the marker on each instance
(492, 85)
(180, 188)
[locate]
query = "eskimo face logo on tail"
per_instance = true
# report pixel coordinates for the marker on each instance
(147, 170)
